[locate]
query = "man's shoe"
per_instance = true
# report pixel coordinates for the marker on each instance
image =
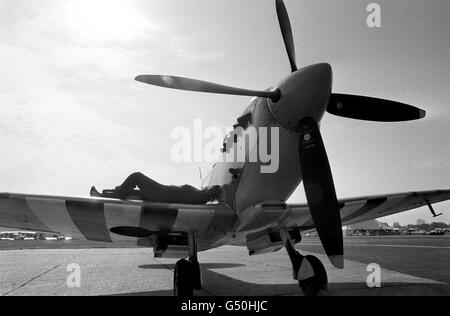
(94, 192)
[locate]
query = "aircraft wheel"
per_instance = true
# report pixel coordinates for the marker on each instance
(196, 274)
(183, 279)
(317, 284)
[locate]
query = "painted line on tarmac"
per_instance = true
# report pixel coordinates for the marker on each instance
(381, 245)
(83, 251)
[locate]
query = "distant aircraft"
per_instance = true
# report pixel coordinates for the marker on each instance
(17, 235)
(252, 211)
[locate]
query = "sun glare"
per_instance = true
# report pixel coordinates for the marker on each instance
(105, 20)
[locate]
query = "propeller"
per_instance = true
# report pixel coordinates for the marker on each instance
(320, 191)
(372, 109)
(316, 171)
(286, 31)
(188, 84)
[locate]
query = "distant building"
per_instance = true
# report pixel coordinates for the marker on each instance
(420, 222)
(371, 228)
(28, 235)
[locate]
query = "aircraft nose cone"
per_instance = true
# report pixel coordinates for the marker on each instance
(304, 93)
(322, 68)
(324, 72)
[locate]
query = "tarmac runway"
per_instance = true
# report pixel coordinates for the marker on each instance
(409, 266)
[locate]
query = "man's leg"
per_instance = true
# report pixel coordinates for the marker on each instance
(144, 183)
(151, 190)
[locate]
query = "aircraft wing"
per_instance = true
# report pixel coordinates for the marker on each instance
(94, 218)
(360, 209)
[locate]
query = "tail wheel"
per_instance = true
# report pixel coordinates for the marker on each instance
(183, 279)
(317, 284)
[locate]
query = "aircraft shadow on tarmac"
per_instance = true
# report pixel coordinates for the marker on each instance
(204, 266)
(217, 284)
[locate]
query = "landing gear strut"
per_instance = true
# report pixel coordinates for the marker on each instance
(187, 273)
(308, 270)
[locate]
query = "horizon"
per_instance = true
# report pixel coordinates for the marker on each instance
(73, 116)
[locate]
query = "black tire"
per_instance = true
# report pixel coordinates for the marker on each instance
(196, 274)
(317, 284)
(182, 279)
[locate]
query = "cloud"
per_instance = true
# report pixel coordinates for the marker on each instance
(183, 48)
(434, 163)
(53, 139)
(46, 133)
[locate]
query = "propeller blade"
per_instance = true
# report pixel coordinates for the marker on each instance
(286, 31)
(372, 109)
(188, 84)
(320, 191)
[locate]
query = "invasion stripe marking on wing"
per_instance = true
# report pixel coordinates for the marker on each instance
(390, 203)
(55, 215)
(157, 219)
(397, 204)
(89, 217)
(189, 218)
(310, 223)
(119, 215)
(15, 213)
(297, 216)
(412, 201)
(370, 205)
(351, 207)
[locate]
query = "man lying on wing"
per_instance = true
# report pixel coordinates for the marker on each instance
(152, 191)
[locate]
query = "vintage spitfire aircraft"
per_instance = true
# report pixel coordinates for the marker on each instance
(252, 210)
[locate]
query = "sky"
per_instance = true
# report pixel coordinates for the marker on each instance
(72, 116)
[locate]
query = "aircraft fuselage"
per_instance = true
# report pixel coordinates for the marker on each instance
(304, 93)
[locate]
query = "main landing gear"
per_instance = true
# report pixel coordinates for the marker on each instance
(187, 274)
(308, 271)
